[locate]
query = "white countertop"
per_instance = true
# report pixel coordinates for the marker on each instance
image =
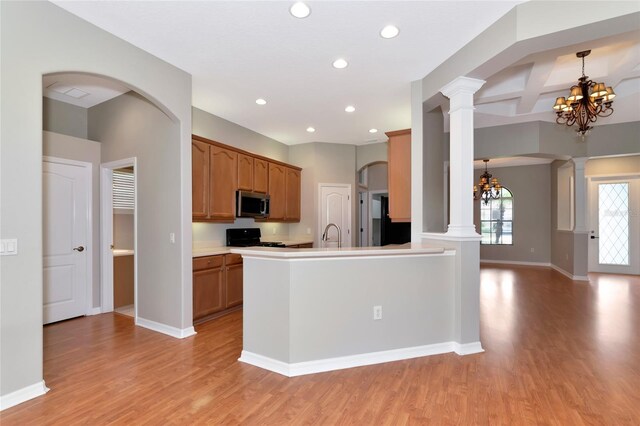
(390, 250)
(210, 251)
(122, 252)
(217, 250)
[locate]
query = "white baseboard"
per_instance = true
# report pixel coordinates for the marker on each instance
(339, 363)
(95, 311)
(569, 275)
(23, 395)
(515, 262)
(166, 329)
(467, 348)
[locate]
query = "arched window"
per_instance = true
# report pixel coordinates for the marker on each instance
(496, 219)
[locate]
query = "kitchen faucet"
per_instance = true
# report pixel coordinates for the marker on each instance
(325, 234)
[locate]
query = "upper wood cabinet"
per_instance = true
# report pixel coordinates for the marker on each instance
(260, 175)
(223, 183)
(292, 195)
(399, 170)
(200, 179)
(218, 171)
(245, 172)
(277, 191)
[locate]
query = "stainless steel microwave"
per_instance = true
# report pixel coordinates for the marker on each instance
(252, 204)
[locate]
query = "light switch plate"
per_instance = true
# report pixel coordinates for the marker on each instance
(9, 247)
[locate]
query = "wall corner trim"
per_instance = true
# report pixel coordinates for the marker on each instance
(467, 348)
(23, 395)
(166, 329)
(569, 275)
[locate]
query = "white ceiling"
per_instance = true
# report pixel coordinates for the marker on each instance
(238, 51)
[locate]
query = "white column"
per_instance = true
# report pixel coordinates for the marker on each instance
(460, 93)
(580, 191)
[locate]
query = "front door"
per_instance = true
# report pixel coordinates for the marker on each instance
(614, 240)
(66, 194)
(335, 207)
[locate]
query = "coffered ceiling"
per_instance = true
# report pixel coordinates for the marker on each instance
(526, 91)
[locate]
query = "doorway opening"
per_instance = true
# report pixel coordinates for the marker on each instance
(614, 239)
(118, 189)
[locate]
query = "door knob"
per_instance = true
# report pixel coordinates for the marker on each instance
(593, 237)
(79, 248)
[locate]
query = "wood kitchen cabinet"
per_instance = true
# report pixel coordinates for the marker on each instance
(208, 286)
(217, 286)
(292, 195)
(277, 191)
(233, 280)
(222, 183)
(245, 172)
(219, 170)
(200, 179)
(260, 175)
(399, 174)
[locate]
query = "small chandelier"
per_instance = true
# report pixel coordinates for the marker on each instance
(489, 188)
(587, 101)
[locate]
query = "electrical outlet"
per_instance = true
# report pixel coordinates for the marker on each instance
(172, 237)
(566, 256)
(377, 312)
(273, 230)
(308, 231)
(533, 250)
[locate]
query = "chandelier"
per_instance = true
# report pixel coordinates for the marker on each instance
(587, 101)
(488, 188)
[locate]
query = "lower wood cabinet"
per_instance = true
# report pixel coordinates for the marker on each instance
(217, 286)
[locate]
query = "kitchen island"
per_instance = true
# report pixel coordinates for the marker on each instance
(314, 310)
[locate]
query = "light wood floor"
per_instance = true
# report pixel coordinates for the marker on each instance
(557, 353)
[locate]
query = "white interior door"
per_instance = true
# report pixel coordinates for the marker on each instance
(335, 207)
(614, 243)
(66, 208)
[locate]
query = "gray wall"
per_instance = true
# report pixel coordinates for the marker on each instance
(378, 177)
(615, 165)
(71, 148)
(35, 40)
(323, 163)
(130, 126)
(433, 155)
(531, 216)
(562, 254)
(220, 130)
(64, 118)
(371, 153)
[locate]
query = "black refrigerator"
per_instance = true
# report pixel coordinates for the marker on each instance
(392, 233)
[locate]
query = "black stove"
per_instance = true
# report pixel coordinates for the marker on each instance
(248, 237)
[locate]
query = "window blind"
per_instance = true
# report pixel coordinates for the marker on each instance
(123, 190)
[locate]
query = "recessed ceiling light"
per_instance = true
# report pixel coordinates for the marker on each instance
(373, 130)
(261, 101)
(340, 63)
(390, 31)
(310, 129)
(350, 108)
(300, 10)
